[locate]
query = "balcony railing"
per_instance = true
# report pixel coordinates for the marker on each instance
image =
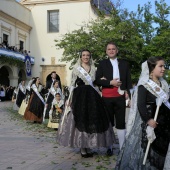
(13, 54)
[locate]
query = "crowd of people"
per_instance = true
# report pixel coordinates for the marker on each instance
(6, 46)
(6, 92)
(37, 103)
(85, 116)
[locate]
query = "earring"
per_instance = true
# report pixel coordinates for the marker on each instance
(151, 75)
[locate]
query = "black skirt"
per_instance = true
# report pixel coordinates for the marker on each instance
(49, 102)
(36, 106)
(89, 112)
(20, 98)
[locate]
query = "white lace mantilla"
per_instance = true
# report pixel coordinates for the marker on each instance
(29, 85)
(53, 91)
(22, 88)
(77, 73)
(58, 103)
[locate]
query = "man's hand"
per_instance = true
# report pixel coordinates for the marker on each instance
(115, 82)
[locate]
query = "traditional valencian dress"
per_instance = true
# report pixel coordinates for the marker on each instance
(21, 95)
(55, 113)
(143, 108)
(34, 110)
(87, 124)
(50, 97)
(24, 103)
(15, 107)
(28, 90)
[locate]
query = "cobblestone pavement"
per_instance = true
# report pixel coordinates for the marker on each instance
(28, 146)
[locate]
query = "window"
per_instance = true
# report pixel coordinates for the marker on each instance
(5, 39)
(21, 44)
(53, 21)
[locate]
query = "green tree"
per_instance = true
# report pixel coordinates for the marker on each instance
(159, 45)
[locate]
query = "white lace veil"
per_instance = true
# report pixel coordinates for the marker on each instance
(78, 63)
(75, 72)
(144, 76)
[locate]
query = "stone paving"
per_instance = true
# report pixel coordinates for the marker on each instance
(28, 146)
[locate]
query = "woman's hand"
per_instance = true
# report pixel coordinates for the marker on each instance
(128, 103)
(67, 103)
(126, 95)
(152, 123)
(103, 78)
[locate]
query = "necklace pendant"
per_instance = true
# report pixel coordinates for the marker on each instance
(157, 89)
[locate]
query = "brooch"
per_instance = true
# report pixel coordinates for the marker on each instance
(157, 89)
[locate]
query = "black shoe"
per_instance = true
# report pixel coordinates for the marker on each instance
(84, 155)
(109, 152)
(90, 154)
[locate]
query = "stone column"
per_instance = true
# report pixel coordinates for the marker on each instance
(13, 80)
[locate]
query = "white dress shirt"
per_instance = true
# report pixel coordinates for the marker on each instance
(115, 68)
(116, 74)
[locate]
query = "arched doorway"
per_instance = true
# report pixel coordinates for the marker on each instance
(47, 69)
(49, 80)
(5, 73)
(48, 77)
(21, 75)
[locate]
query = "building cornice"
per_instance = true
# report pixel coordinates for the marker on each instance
(5, 28)
(13, 21)
(35, 2)
(22, 5)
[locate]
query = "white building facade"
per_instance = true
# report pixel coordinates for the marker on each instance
(15, 30)
(35, 25)
(50, 19)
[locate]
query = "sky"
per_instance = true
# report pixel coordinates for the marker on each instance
(132, 5)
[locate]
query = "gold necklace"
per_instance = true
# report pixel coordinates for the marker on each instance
(157, 82)
(86, 68)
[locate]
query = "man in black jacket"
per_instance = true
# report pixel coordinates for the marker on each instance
(114, 76)
(54, 77)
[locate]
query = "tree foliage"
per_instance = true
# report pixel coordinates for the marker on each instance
(138, 35)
